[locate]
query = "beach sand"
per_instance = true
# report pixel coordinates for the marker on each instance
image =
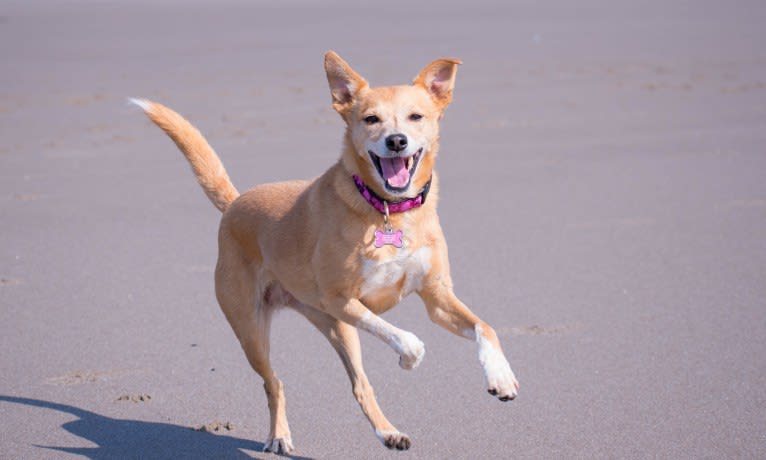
(603, 193)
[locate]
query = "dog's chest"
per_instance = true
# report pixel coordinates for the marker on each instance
(395, 275)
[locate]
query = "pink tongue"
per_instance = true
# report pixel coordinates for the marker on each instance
(395, 171)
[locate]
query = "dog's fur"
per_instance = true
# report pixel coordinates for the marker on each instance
(309, 245)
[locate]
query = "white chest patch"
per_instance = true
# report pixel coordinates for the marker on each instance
(385, 273)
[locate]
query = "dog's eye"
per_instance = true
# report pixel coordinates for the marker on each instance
(416, 117)
(371, 120)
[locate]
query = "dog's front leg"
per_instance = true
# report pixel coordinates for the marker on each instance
(410, 349)
(345, 339)
(446, 310)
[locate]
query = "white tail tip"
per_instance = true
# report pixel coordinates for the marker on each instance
(145, 104)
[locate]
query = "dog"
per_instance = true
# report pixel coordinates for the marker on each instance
(348, 246)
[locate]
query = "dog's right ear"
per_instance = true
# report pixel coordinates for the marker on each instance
(345, 84)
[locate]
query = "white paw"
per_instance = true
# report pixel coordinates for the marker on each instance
(279, 445)
(501, 382)
(411, 350)
(394, 439)
(500, 379)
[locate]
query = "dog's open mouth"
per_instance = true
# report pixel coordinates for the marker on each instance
(396, 172)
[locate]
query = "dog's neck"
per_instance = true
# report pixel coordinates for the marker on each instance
(394, 207)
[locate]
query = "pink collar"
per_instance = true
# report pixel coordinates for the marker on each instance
(393, 206)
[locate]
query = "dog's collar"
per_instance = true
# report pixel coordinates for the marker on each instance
(394, 207)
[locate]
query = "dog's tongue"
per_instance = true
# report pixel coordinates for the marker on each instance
(395, 171)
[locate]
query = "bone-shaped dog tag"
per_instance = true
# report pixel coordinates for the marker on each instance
(391, 237)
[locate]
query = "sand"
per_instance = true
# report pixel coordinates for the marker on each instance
(602, 191)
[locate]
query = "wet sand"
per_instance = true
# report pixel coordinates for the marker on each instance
(602, 190)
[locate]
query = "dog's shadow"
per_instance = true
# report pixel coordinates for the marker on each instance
(119, 438)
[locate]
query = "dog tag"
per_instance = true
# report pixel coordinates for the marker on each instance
(388, 235)
(391, 237)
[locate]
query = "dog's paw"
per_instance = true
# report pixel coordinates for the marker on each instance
(501, 381)
(412, 350)
(394, 439)
(279, 445)
(503, 384)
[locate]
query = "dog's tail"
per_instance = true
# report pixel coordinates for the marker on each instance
(206, 165)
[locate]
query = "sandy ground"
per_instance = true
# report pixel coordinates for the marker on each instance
(618, 245)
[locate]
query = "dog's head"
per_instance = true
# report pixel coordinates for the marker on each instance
(393, 131)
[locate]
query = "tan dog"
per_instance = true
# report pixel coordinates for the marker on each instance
(348, 246)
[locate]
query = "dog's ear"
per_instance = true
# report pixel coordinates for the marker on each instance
(345, 84)
(438, 78)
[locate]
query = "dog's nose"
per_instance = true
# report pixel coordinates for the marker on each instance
(396, 142)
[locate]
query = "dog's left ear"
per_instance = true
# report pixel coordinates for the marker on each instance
(438, 78)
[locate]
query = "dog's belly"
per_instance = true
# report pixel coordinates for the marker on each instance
(387, 280)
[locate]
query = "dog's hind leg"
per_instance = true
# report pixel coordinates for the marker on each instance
(345, 339)
(255, 343)
(249, 314)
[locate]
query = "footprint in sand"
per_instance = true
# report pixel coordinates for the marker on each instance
(135, 398)
(214, 427)
(9, 281)
(535, 329)
(80, 377)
